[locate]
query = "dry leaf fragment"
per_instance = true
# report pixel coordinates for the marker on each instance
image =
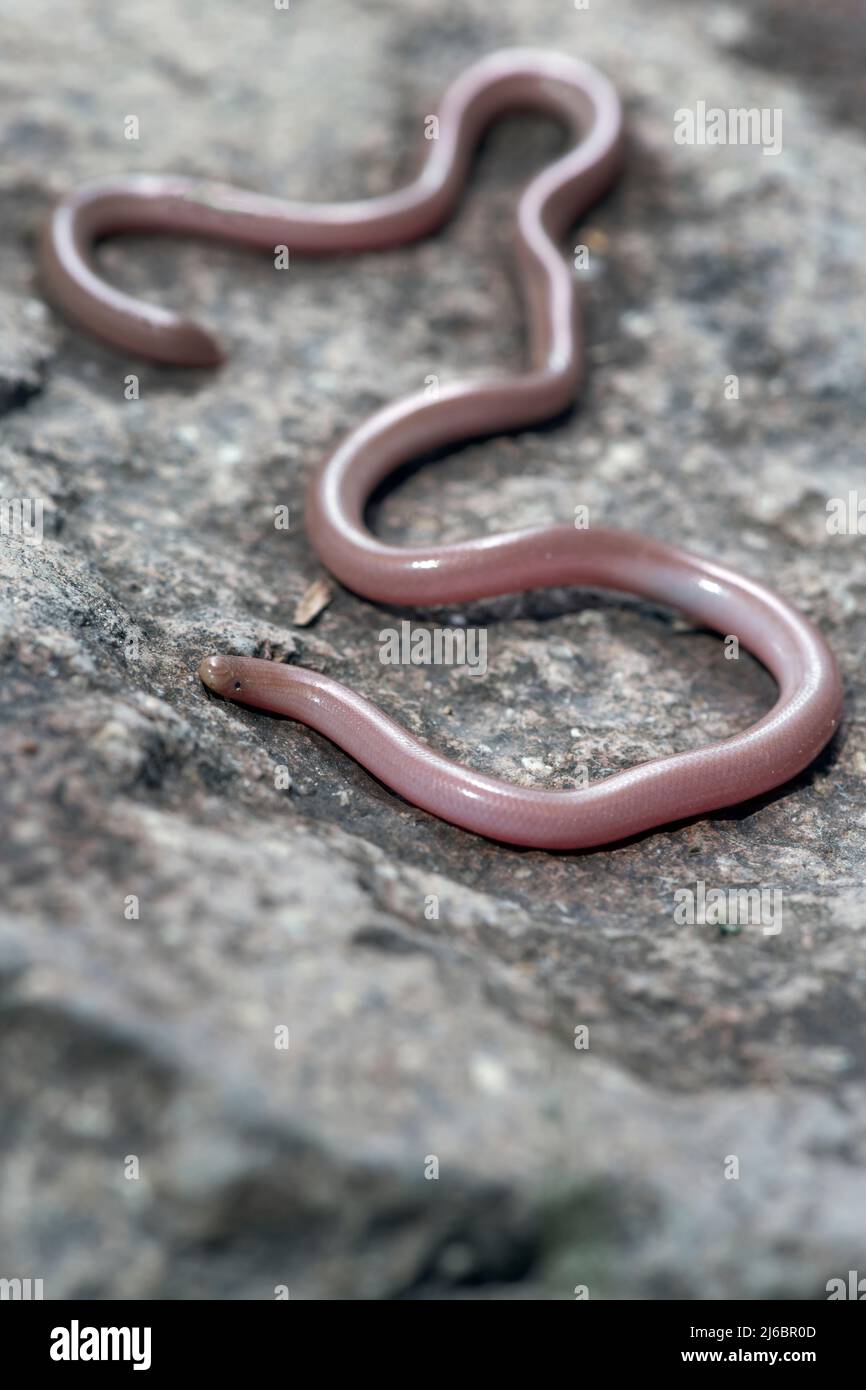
(313, 602)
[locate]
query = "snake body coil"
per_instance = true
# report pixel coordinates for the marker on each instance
(686, 784)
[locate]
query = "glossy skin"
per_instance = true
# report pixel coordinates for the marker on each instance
(686, 784)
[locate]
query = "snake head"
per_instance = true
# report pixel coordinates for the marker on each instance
(223, 675)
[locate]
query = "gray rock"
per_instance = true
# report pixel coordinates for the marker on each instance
(188, 886)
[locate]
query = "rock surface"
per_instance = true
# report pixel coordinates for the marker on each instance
(188, 884)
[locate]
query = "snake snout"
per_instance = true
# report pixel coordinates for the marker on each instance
(217, 673)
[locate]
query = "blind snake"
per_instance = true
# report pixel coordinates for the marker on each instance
(671, 788)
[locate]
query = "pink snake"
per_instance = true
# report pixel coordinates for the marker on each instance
(672, 788)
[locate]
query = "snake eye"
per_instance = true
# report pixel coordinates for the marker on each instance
(237, 685)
